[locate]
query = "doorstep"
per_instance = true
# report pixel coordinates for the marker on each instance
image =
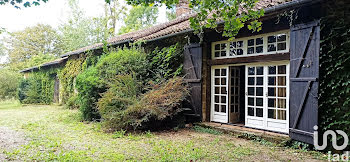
(242, 131)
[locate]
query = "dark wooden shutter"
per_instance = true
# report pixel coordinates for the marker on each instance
(304, 74)
(193, 75)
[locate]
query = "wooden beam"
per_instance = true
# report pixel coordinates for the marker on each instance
(251, 59)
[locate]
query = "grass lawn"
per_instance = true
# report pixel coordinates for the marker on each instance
(46, 133)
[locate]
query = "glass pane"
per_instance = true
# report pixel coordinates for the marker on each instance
(251, 91)
(281, 46)
(217, 90)
(217, 46)
(223, 53)
(217, 54)
(271, 39)
(240, 44)
(259, 49)
(281, 80)
(271, 113)
(281, 37)
(251, 42)
(217, 72)
(217, 99)
(233, 45)
(251, 70)
(259, 70)
(259, 112)
(250, 111)
(239, 51)
(259, 41)
(259, 102)
(223, 81)
(272, 69)
(272, 80)
(259, 91)
(223, 46)
(223, 90)
(217, 81)
(223, 99)
(223, 108)
(281, 114)
(259, 81)
(232, 52)
(271, 102)
(250, 50)
(281, 92)
(251, 80)
(281, 103)
(250, 101)
(272, 91)
(223, 72)
(217, 108)
(271, 47)
(282, 69)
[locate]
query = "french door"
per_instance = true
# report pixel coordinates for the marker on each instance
(267, 100)
(219, 97)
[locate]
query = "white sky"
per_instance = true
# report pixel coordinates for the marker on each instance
(54, 12)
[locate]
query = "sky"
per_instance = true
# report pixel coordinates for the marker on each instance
(54, 13)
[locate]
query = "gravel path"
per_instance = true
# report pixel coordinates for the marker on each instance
(9, 140)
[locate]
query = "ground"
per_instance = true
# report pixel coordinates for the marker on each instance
(45, 133)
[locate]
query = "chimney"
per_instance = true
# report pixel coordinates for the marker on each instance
(182, 8)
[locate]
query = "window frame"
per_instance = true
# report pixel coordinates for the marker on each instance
(245, 45)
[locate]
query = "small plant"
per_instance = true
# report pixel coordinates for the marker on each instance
(207, 130)
(119, 134)
(149, 134)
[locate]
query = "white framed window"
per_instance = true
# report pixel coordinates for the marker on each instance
(270, 43)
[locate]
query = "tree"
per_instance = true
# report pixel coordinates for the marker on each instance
(234, 13)
(113, 12)
(17, 3)
(80, 31)
(139, 17)
(21, 46)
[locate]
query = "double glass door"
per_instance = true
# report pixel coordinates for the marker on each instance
(267, 97)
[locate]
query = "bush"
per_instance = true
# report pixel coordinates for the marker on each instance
(8, 83)
(38, 88)
(72, 103)
(123, 61)
(153, 109)
(89, 87)
(123, 91)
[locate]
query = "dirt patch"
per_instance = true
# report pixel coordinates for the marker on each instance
(9, 140)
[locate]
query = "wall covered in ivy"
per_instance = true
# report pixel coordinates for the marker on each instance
(334, 95)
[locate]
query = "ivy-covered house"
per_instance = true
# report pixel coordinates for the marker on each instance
(273, 80)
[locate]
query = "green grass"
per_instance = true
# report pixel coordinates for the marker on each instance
(57, 134)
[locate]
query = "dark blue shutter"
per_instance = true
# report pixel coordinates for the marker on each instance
(193, 76)
(304, 75)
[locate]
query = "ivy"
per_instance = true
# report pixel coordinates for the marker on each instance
(334, 99)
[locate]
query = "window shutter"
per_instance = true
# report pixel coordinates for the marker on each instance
(304, 74)
(193, 75)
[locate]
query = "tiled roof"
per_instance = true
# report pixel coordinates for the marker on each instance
(177, 25)
(54, 62)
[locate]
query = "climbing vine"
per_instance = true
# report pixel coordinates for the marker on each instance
(334, 99)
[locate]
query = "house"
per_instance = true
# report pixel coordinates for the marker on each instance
(265, 80)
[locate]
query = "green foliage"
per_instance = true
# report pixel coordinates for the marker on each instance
(16, 3)
(8, 83)
(123, 61)
(89, 87)
(38, 88)
(33, 41)
(334, 99)
(234, 14)
(207, 130)
(72, 103)
(165, 63)
(139, 17)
